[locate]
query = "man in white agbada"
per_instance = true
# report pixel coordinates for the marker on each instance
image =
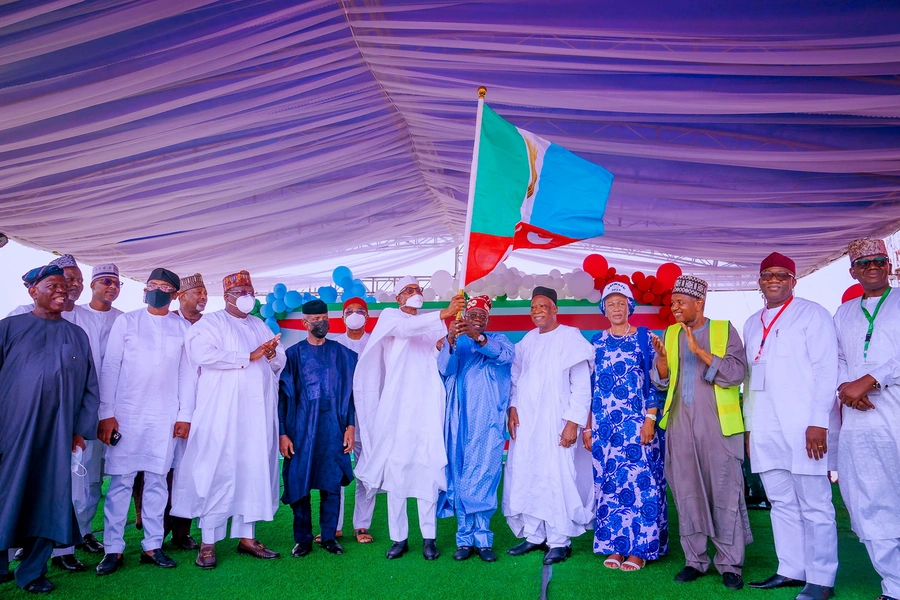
(868, 331)
(399, 400)
(790, 411)
(230, 463)
(146, 400)
(96, 322)
(356, 315)
(549, 401)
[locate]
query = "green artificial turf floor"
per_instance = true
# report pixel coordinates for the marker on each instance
(363, 572)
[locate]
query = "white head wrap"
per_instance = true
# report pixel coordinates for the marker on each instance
(404, 281)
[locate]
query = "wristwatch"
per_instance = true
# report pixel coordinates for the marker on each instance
(480, 340)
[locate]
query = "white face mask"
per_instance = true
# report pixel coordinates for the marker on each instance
(415, 301)
(355, 321)
(78, 468)
(245, 304)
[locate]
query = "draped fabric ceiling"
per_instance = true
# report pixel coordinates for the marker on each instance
(277, 135)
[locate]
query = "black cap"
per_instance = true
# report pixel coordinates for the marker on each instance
(38, 274)
(315, 307)
(166, 275)
(545, 291)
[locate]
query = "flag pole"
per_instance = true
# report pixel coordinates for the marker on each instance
(473, 175)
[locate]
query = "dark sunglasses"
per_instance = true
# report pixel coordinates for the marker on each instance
(108, 281)
(780, 276)
(863, 263)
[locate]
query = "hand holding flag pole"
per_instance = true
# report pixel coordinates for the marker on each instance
(473, 175)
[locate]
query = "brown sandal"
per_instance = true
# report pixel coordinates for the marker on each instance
(337, 534)
(363, 536)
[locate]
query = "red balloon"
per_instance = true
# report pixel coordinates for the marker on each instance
(644, 285)
(595, 264)
(647, 297)
(611, 272)
(667, 273)
(852, 292)
(637, 276)
(658, 288)
(599, 283)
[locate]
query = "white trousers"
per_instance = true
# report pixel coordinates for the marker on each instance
(211, 532)
(398, 520)
(363, 508)
(885, 557)
(538, 531)
(153, 508)
(803, 525)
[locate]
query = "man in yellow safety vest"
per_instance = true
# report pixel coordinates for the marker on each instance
(700, 364)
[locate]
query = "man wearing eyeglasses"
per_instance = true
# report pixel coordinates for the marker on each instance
(229, 470)
(790, 408)
(146, 401)
(868, 332)
(356, 315)
(399, 401)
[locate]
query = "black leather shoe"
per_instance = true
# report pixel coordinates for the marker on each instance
(688, 574)
(184, 543)
(811, 591)
(19, 554)
(301, 550)
(776, 581)
(159, 559)
(486, 554)
(91, 544)
(68, 562)
(429, 550)
(526, 547)
(462, 553)
(41, 585)
(732, 581)
(557, 555)
(332, 546)
(110, 564)
(397, 549)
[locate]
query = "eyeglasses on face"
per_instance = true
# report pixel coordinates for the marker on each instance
(107, 281)
(239, 294)
(357, 311)
(863, 263)
(161, 287)
(780, 276)
(411, 289)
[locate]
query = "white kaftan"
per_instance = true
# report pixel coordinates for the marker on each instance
(550, 386)
(230, 462)
(147, 384)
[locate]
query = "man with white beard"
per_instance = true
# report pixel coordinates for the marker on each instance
(230, 465)
(146, 398)
(549, 399)
(399, 399)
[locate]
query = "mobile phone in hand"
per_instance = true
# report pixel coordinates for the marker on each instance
(115, 437)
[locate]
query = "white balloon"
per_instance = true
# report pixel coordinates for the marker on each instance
(501, 268)
(554, 273)
(441, 281)
(511, 289)
(528, 281)
(448, 295)
(558, 283)
(567, 278)
(429, 294)
(525, 293)
(581, 284)
(595, 296)
(385, 297)
(543, 280)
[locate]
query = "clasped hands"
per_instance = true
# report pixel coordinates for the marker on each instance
(855, 394)
(267, 349)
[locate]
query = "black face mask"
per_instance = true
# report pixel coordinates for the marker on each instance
(158, 298)
(319, 329)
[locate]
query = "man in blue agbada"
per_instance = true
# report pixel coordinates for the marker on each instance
(316, 421)
(475, 367)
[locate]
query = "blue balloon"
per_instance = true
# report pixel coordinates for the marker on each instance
(279, 289)
(266, 311)
(293, 299)
(359, 281)
(328, 294)
(346, 283)
(358, 291)
(278, 306)
(371, 299)
(270, 298)
(340, 273)
(307, 297)
(273, 325)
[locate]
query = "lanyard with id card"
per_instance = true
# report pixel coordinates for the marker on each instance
(758, 368)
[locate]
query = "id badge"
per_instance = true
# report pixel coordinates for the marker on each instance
(758, 376)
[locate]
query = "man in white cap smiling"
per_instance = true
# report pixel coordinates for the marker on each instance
(399, 401)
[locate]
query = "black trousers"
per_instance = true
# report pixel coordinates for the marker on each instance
(33, 565)
(329, 508)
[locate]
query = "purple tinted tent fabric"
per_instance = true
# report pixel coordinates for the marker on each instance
(211, 136)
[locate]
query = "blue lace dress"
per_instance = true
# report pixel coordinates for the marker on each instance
(629, 479)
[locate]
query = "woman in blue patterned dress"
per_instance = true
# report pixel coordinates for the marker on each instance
(632, 522)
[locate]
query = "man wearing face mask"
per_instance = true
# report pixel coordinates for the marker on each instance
(475, 366)
(191, 298)
(147, 396)
(316, 419)
(399, 401)
(356, 315)
(230, 465)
